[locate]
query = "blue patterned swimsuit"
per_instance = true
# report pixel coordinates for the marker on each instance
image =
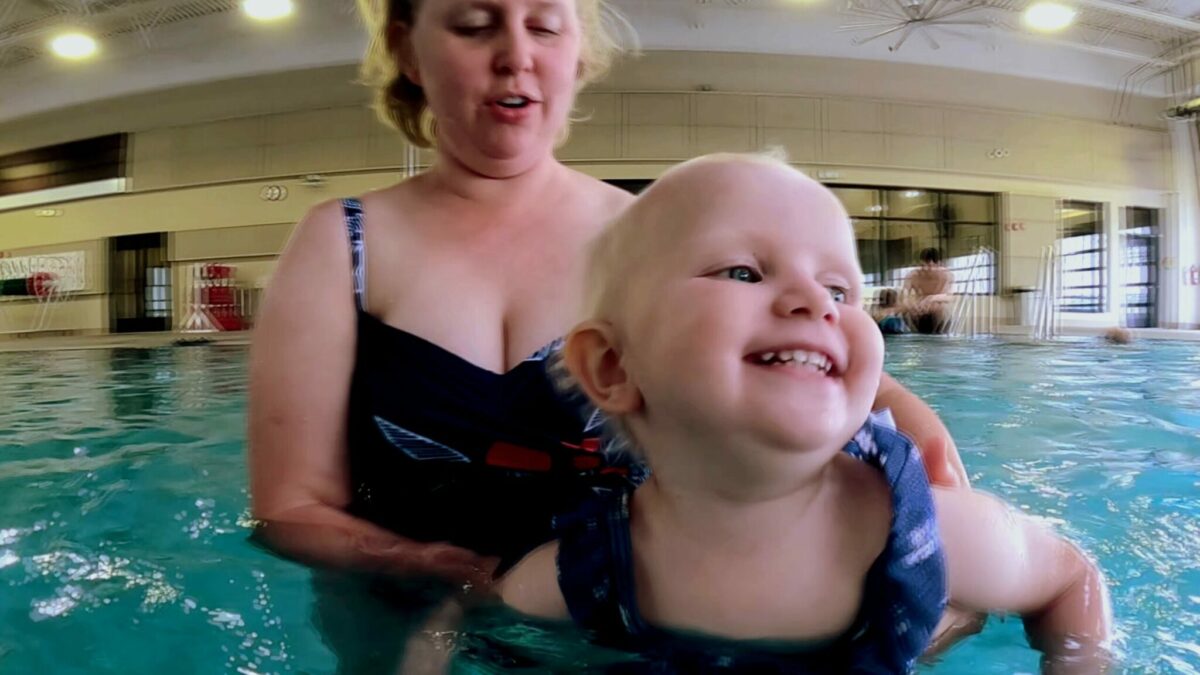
(904, 596)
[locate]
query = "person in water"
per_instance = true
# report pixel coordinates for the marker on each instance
(412, 431)
(929, 289)
(887, 313)
(725, 342)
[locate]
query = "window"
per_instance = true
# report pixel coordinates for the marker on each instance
(1081, 251)
(1140, 235)
(893, 226)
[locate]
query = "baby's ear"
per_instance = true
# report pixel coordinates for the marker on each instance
(592, 355)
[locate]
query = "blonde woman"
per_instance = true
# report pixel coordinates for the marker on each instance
(412, 430)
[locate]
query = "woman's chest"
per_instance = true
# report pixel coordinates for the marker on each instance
(493, 307)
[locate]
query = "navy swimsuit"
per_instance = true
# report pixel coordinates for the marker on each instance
(903, 600)
(443, 450)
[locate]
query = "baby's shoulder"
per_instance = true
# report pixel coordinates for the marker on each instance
(531, 585)
(862, 498)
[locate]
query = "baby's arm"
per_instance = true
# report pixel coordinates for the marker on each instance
(999, 560)
(531, 586)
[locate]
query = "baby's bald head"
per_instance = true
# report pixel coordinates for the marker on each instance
(683, 197)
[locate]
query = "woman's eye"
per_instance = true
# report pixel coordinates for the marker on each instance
(469, 31)
(838, 294)
(472, 23)
(742, 273)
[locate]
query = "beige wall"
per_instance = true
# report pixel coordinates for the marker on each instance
(227, 242)
(869, 133)
(186, 209)
(333, 87)
(837, 111)
(83, 311)
(200, 155)
(1023, 248)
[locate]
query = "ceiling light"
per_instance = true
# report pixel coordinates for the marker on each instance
(912, 194)
(1049, 16)
(74, 46)
(267, 10)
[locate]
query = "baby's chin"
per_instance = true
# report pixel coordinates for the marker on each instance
(822, 433)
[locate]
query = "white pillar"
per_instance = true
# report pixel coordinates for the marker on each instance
(1180, 249)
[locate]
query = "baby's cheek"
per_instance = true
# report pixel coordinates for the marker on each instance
(866, 345)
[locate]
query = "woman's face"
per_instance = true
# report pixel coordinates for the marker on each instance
(499, 76)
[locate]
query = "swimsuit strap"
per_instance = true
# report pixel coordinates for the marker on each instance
(352, 212)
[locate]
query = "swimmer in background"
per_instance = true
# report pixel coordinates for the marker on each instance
(1118, 336)
(887, 314)
(929, 290)
(726, 343)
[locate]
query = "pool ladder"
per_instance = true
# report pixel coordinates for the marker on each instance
(973, 314)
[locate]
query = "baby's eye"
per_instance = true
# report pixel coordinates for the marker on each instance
(838, 294)
(743, 273)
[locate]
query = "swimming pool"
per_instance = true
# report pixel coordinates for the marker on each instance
(123, 507)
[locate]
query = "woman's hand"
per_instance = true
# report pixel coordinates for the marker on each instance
(942, 463)
(325, 537)
(442, 560)
(922, 425)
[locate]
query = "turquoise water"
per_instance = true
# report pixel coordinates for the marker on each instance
(123, 508)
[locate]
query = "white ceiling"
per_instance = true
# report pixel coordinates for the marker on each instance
(155, 44)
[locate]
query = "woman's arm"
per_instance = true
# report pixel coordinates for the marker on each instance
(922, 425)
(300, 366)
(1000, 560)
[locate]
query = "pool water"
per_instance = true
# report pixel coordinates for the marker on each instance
(124, 520)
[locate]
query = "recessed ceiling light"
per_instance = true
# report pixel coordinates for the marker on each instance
(74, 46)
(267, 10)
(1049, 16)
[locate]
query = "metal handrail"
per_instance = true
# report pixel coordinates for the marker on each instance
(1047, 323)
(967, 319)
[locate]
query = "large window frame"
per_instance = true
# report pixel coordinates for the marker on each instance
(943, 215)
(1083, 258)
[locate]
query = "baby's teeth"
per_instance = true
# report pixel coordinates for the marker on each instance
(766, 357)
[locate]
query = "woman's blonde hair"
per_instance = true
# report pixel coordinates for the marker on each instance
(401, 103)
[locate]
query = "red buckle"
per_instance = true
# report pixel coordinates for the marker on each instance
(509, 456)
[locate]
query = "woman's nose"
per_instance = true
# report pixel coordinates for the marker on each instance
(515, 51)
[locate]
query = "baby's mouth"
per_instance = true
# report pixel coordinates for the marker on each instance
(794, 358)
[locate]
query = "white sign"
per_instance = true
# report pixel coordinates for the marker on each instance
(69, 268)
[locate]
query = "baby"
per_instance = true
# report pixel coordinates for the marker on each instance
(725, 339)
(886, 312)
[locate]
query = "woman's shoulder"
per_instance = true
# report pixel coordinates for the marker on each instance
(608, 199)
(323, 228)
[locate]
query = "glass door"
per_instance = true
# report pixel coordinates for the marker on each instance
(139, 284)
(1140, 252)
